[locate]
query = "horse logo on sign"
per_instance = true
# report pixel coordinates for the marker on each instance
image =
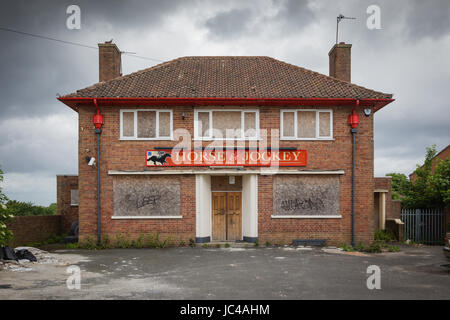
(156, 158)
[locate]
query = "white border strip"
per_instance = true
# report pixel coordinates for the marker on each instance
(304, 217)
(145, 217)
(221, 172)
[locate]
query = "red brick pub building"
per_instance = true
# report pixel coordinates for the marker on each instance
(227, 149)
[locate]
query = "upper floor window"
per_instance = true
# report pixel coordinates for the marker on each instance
(146, 124)
(225, 124)
(306, 124)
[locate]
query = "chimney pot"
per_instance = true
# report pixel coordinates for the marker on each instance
(109, 61)
(340, 61)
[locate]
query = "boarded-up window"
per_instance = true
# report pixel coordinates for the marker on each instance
(306, 124)
(324, 124)
(164, 124)
(147, 196)
(146, 124)
(288, 124)
(227, 124)
(142, 124)
(203, 124)
(250, 124)
(301, 195)
(128, 124)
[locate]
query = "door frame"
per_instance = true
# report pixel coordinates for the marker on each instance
(242, 209)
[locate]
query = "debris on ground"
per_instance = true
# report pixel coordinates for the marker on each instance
(23, 259)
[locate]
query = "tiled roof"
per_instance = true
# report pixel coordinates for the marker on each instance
(227, 77)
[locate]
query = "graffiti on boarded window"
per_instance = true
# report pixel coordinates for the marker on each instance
(148, 196)
(306, 195)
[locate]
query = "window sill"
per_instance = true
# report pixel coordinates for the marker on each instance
(304, 217)
(146, 139)
(237, 139)
(74, 205)
(144, 217)
(306, 139)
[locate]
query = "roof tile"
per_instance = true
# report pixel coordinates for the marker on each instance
(227, 77)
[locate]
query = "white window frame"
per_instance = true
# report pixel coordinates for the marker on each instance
(72, 203)
(211, 138)
(295, 111)
(157, 137)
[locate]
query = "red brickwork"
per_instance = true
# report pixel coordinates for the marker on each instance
(340, 61)
(322, 155)
(31, 229)
(68, 212)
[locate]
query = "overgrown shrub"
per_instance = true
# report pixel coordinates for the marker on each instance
(374, 247)
(384, 235)
(5, 216)
(394, 249)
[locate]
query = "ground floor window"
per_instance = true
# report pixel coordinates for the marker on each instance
(306, 196)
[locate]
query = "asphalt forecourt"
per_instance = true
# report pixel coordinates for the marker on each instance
(246, 273)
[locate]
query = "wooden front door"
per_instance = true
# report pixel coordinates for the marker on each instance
(226, 216)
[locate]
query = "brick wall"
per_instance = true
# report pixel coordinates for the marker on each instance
(396, 209)
(31, 229)
(68, 212)
(322, 155)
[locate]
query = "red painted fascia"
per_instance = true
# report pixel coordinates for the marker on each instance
(376, 103)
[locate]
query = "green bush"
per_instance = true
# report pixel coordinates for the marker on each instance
(5, 216)
(227, 245)
(139, 242)
(374, 247)
(384, 235)
(360, 247)
(72, 246)
(20, 208)
(348, 248)
(89, 244)
(123, 241)
(106, 242)
(394, 249)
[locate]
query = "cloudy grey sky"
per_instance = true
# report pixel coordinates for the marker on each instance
(408, 57)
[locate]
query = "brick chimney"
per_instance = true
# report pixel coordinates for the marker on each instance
(109, 61)
(340, 61)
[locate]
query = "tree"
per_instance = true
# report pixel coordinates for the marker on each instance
(20, 208)
(401, 186)
(441, 180)
(429, 189)
(5, 216)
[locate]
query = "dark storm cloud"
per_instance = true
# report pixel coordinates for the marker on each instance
(35, 70)
(406, 57)
(291, 16)
(229, 24)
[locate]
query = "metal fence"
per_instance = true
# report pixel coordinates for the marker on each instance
(425, 226)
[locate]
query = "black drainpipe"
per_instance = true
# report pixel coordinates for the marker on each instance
(98, 132)
(353, 131)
